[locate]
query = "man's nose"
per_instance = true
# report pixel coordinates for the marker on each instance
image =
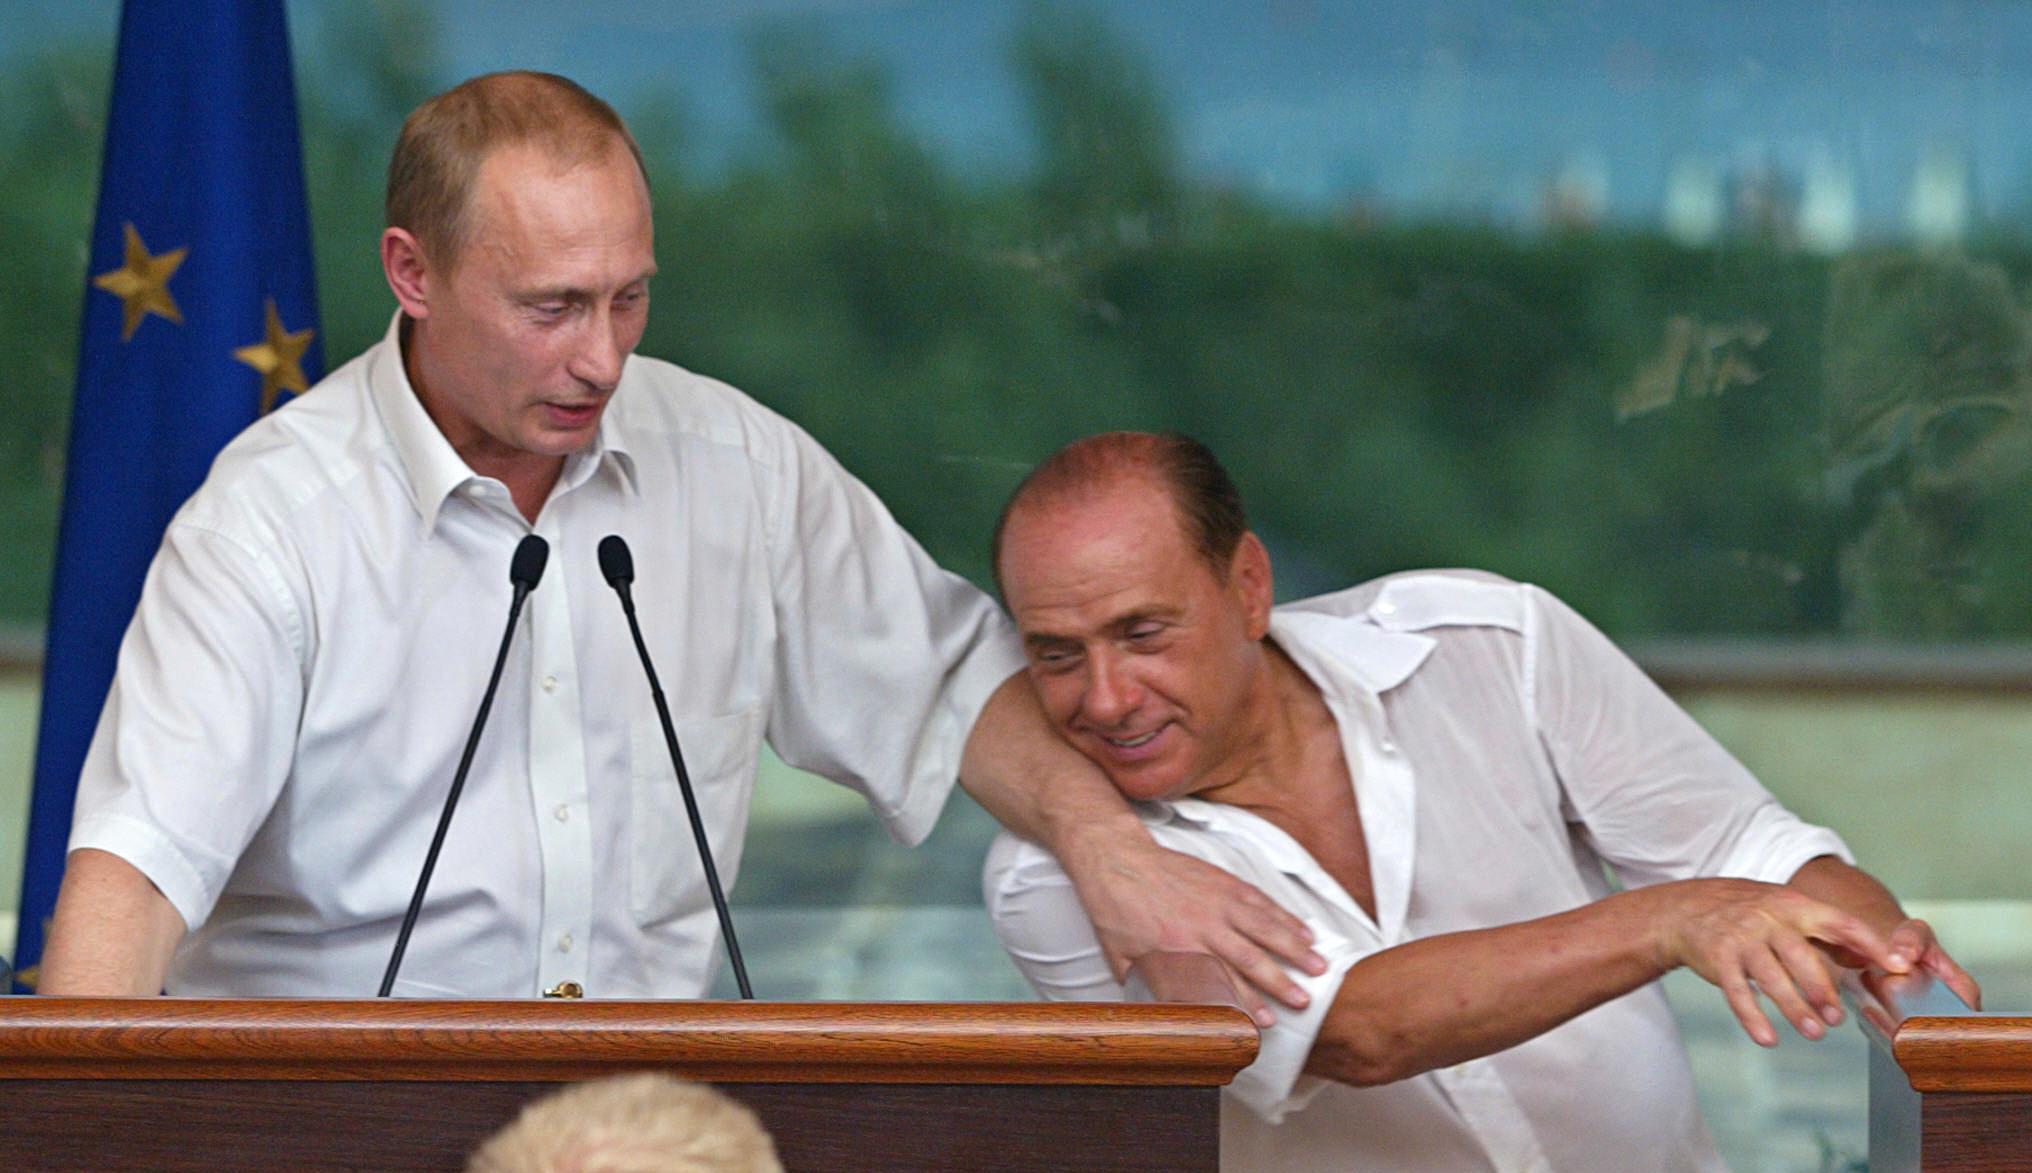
(601, 352)
(1112, 694)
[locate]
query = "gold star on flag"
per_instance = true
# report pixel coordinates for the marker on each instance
(277, 357)
(142, 284)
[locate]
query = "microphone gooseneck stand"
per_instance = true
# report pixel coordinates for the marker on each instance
(618, 567)
(524, 571)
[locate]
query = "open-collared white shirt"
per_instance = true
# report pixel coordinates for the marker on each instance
(316, 633)
(1502, 751)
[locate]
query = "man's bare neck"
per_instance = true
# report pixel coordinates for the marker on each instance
(1293, 751)
(1303, 783)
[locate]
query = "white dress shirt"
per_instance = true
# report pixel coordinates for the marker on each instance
(316, 633)
(1502, 751)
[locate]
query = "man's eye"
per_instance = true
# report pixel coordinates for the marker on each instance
(1144, 633)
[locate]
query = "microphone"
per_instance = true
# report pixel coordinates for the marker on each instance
(525, 570)
(618, 567)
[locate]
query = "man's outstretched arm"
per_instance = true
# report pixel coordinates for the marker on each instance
(1443, 1000)
(114, 933)
(1142, 898)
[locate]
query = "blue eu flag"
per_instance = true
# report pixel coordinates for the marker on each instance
(200, 314)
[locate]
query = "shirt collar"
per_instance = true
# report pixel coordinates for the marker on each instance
(1373, 657)
(1330, 649)
(430, 465)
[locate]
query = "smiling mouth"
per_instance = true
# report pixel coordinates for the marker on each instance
(1132, 742)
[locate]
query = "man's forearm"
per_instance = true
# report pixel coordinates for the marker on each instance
(1443, 1000)
(113, 933)
(1446, 999)
(1038, 786)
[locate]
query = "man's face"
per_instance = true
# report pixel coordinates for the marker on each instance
(1143, 658)
(523, 338)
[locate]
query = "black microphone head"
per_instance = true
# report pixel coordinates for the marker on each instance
(526, 570)
(616, 562)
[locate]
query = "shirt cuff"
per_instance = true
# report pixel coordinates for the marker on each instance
(151, 853)
(1777, 844)
(1276, 1083)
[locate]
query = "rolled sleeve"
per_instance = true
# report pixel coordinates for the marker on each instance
(1276, 1085)
(1775, 844)
(1046, 933)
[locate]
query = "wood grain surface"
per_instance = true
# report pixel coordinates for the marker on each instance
(1116, 1044)
(231, 1126)
(1975, 1054)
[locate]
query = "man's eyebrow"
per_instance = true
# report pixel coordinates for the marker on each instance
(1038, 639)
(1130, 619)
(575, 292)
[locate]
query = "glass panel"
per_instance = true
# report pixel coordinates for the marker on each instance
(1706, 316)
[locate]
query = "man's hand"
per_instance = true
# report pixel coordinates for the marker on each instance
(1913, 940)
(1747, 937)
(1854, 890)
(1143, 899)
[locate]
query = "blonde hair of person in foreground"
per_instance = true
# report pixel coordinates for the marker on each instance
(645, 1123)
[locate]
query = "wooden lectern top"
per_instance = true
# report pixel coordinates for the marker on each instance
(765, 1042)
(1941, 1044)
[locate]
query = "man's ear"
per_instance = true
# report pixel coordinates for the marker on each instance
(408, 271)
(1249, 577)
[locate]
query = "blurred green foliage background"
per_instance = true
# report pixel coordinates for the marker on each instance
(1746, 438)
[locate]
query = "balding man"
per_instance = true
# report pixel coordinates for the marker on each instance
(293, 696)
(1432, 770)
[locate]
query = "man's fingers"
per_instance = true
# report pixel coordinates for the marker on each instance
(1837, 928)
(1743, 1001)
(1777, 984)
(1260, 970)
(1911, 940)
(1948, 970)
(1278, 933)
(1808, 969)
(1253, 1005)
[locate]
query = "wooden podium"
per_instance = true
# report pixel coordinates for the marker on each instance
(166, 1083)
(1950, 1088)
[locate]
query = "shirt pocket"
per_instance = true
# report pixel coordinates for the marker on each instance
(666, 878)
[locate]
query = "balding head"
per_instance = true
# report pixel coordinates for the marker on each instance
(1203, 496)
(437, 157)
(1142, 602)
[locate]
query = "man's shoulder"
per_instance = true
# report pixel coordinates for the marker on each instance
(1420, 600)
(309, 447)
(659, 398)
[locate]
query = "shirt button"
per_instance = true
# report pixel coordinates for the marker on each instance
(564, 943)
(1385, 607)
(563, 813)
(550, 684)
(475, 489)
(1389, 746)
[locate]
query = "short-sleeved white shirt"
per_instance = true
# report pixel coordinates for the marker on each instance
(316, 633)
(1503, 751)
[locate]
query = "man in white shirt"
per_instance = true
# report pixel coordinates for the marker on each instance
(1431, 770)
(295, 690)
